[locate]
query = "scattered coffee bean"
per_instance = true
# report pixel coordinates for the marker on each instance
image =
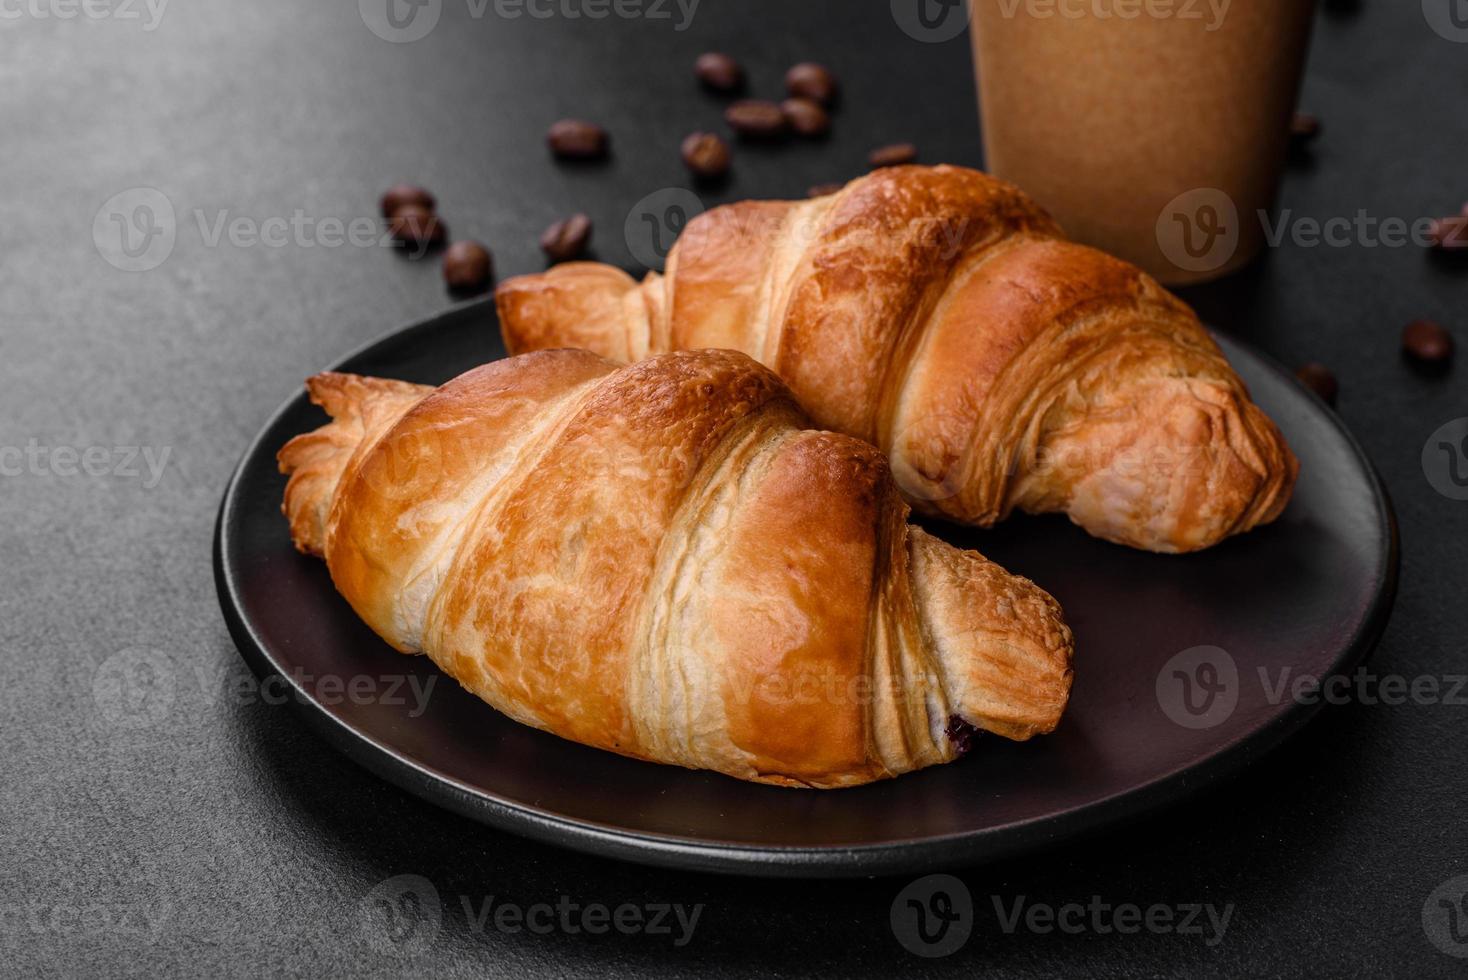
(756, 119)
(400, 195)
(1321, 380)
(1427, 342)
(706, 154)
(1450, 234)
(806, 117)
(809, 80)
(573, 139)
(1304, 128)
(565, 240)
(467, 266)
(719, 72)
(822, 190)
(893, 156)
(414, 226)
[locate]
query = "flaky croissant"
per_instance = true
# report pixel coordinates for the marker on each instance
(939, 314)
(662, 561)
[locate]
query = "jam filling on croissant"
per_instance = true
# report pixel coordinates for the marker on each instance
(962, 734)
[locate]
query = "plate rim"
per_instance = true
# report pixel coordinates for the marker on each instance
(731, 857)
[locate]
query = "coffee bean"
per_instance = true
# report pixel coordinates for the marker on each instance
(706, 155)
(1304, 128)
(1321, 380)
(719, 72)
(1427, 342)
(414, 226)
(806, 117)
(400, 195)
(809, 80)
(756, 119)
(467, 266)
(893, 156)
(823, 190)
(567, 239)
(1450, 234)
(573, 139)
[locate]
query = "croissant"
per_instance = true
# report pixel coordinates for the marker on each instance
(663, 561)
(939, 314)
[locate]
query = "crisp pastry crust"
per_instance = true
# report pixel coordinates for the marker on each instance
(662, 560)
(941, 315)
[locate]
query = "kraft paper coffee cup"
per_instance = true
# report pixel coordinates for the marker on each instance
(1153, 129)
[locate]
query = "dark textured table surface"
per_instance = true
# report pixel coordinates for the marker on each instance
(211, 834)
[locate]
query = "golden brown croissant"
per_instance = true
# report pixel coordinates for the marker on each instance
(660, 560)
(939, 314)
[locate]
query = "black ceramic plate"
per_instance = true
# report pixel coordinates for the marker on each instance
(1178, 662)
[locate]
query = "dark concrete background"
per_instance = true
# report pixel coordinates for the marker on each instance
(251, 845)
